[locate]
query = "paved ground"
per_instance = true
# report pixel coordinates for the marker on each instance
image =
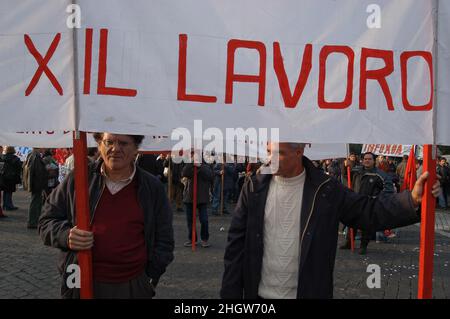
(27, 268)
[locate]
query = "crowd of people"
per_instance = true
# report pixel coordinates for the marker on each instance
(132, 250)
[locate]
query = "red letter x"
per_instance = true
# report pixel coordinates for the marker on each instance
(42, 62)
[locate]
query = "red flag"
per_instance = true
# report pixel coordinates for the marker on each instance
(410, 172)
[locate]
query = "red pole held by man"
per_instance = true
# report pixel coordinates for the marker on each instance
(425, 285)
(82, 211)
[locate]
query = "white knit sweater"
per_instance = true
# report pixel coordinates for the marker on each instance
(279, 273)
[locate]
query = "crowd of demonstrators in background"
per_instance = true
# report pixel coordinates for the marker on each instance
(443, 174)
(132, 234)
(10, 176)
(283, 235)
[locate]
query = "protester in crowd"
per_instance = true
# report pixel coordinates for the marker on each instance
(35, 181)
(204, 180)
(283, 235)
(131, 233)
(391, 166)
(10, 176)
(369, 181)
(443, 174)
(382, 164)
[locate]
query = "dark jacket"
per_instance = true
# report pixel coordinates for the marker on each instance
(13, 169)
(372, 182)
(35, 180)
(444, 172)
(148, 163)
(204, 180)
(326, 202)
(58, 217)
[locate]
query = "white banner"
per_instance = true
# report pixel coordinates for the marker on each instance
(237, 64)
(391, 150)
(321, 71)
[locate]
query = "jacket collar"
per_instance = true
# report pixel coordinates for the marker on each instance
(314, 176)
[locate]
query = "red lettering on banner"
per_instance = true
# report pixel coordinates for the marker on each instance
(291, 100)
(324, 53)
(43, 64)
(233, 45)
(377, 148)
(382, 148)
(182, 95)
(371, 148)
(388, 149)
(87, 62)
(404, 57)
(378, 75)
(393, 149)
(102, 89)
(399, 149)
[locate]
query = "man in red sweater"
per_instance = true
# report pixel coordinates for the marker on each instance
(131, 237)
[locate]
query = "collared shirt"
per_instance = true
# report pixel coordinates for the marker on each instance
(116, 186)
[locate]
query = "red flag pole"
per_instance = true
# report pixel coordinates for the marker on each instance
(349, 184)
(194, 208)
(425, 286)
(82, 210)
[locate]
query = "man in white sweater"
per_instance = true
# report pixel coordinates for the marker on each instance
(283, 236)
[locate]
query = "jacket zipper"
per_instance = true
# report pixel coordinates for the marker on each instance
(310, 214)
(98, 200)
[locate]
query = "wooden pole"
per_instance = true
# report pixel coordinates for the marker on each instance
(82, 211)
(425, 285)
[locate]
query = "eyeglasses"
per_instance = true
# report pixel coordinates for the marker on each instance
(121, 144)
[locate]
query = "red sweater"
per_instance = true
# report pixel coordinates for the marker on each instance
(119, 253)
